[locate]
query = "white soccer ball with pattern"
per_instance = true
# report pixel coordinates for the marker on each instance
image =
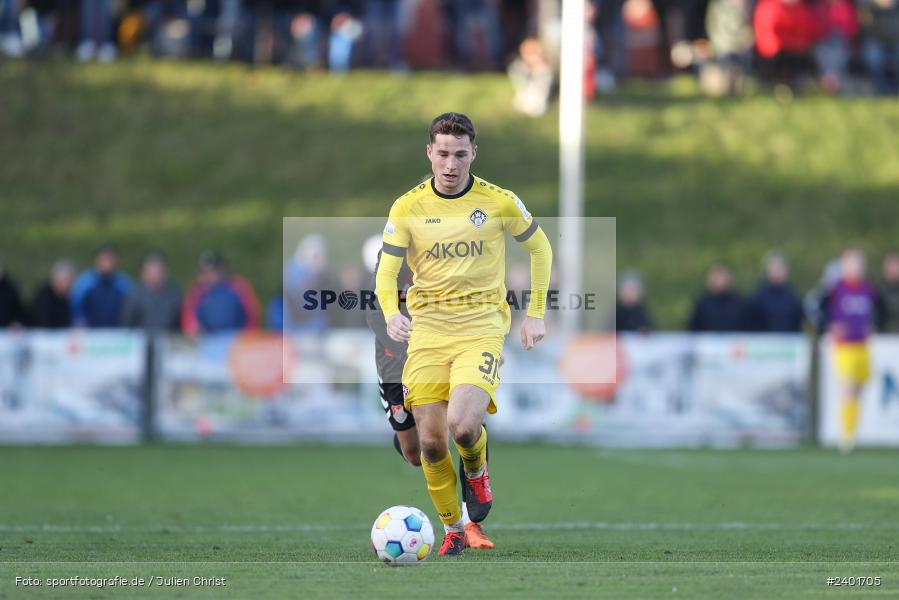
(402, 535)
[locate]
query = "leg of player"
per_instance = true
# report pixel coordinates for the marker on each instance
(853, 365)
(405, 440)
(849, 412)
(465, 417)
(475, 536)
(405, 437)
(406, 443)
(437, 465)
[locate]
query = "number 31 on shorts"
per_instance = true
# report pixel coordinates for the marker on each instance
(490, 367)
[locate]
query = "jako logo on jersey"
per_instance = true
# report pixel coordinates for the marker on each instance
(477, 217)
(456, 249)
(430, 220)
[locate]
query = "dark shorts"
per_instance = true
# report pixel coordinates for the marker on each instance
(390, 371)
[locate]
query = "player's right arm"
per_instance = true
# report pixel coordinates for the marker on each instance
(376, 320)
(393, 251)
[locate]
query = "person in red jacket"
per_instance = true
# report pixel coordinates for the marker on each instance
(785, 31)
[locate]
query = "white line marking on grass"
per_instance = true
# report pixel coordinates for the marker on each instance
(558, 526)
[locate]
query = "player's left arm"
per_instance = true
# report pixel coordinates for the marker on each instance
(519, 222)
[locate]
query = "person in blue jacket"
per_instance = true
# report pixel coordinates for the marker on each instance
(775, 306)
(99, 293)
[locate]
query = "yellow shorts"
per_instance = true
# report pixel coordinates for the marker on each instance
(853, 362)
(437, 363)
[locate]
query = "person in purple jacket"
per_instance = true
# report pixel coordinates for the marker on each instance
(851, 313)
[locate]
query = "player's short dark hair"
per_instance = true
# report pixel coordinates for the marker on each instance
(451, 123)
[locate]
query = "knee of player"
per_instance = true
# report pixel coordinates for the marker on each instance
(464, 433)
(412, 457)
(433, 448)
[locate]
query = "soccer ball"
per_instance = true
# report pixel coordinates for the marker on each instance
(402, 535)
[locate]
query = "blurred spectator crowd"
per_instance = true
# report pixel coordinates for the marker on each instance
(843, 45)
(104, 296)
(219, 300)
(774, 305)
(305, 34)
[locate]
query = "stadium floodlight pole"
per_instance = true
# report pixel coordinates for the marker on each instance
(571, 157)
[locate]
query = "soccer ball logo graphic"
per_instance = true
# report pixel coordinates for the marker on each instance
(347, 300)
(402, 535)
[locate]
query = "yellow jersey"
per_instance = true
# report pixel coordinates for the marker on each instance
(455, 247)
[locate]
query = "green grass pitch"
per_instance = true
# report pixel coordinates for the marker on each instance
(568, 522)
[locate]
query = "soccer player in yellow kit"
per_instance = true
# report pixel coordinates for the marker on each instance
(451, 230)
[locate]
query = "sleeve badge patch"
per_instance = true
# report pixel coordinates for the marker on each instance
(524, 211)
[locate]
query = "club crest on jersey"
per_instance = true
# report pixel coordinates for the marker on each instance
(478, 217)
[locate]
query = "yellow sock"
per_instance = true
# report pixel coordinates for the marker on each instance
(474, 458)
(849, 414)
(441, 478)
